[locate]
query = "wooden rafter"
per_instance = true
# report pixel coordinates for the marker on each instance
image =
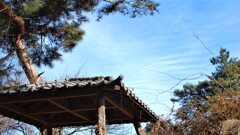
(23, 112)
(124, 111)
(67, 109)
(80, 109)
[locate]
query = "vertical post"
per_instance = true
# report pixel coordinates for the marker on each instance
(139, 128)
(49, 131)
(101, 126)
(43, 131)
(46, 131)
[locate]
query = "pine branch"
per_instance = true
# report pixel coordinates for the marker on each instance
(17, 19)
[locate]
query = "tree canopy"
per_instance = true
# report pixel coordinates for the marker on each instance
(226, 77)
(202, 103)
(40, 31)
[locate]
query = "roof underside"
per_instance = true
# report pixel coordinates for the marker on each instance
(73, 102)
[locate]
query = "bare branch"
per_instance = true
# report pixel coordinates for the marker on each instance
(170, 75)
(7, 56)
(203, 43)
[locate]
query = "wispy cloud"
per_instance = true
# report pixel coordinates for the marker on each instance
(163, 43)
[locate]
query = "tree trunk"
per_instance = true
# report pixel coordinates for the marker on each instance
(21, 50)
(26, 63)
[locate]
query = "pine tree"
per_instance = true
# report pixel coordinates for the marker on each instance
(194, 99)
(37, 32)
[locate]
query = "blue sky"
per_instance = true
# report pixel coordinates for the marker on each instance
(163, 42)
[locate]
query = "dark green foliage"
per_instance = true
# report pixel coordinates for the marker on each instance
(31, 6)
(193, 97)
(227, 75)
(227, 70)
(53, 27)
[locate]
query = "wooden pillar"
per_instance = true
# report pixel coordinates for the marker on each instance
(101, 126)
(139, 128)
(49, 131)
(46, 131)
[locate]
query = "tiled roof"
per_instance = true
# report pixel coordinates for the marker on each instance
(81, 82)
(72, 82)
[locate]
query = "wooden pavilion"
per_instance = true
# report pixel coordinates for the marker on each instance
(76, 102)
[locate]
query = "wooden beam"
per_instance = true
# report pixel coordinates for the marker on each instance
(23, 112)
(120, 108)
(74, 122)
(50, 111)
(114, 87)
(47, 95)
(101, 126)
(67, 109)
(139, 129)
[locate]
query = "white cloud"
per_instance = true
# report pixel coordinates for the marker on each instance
(164, 43)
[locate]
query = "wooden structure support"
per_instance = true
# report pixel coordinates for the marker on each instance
(47, 131)
(120, 108)
(67, 109)
(23, 113)
(139, 128)
(43, 96)
(74, 102)
(101, 126)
